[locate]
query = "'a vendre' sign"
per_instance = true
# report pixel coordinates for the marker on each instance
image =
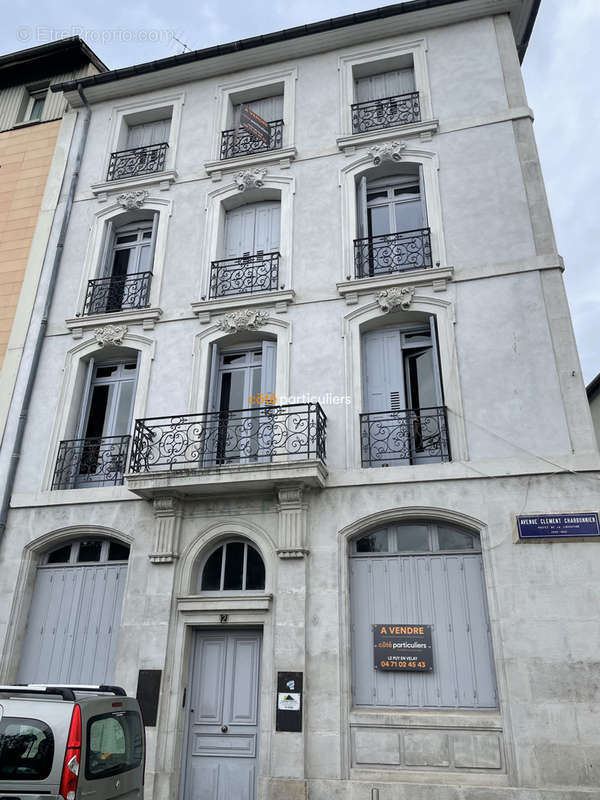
(582, 525)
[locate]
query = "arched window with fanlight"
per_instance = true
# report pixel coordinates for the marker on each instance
(422, 572)
(233, 566)
(75, 613)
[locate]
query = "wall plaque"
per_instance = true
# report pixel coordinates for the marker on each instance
(402, 647)
(583, 525)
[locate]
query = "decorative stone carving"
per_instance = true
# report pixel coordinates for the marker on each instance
(133, 199)
(110, 334)
(390, 151)
(292, 523)
(247, 320)
(168, 513)
(393, 298)
(250, 179)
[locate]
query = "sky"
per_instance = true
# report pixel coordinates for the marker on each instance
(560, 70)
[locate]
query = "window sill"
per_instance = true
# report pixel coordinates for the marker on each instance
(424, 129)
(285, 156)
(437, 277)
(163, 179)
(280, 300)
(146, 316)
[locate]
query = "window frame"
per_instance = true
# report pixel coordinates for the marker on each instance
(381, 59)
(74, 554)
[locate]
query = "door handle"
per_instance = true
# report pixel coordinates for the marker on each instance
(224, 728)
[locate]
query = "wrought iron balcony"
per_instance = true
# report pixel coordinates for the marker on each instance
(257, 272)
(266, 434)
(117, 293)
(375, 114)
(409, 436)
(392, 252)
(239, 142)
(137, 161)
(91, 462)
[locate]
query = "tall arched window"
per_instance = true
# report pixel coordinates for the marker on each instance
(75, 613)
(422, 573)
(233, 566)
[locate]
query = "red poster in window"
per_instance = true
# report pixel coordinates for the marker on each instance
(255, 125)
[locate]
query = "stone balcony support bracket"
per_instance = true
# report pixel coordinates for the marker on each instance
(168, 513)
(292, 522)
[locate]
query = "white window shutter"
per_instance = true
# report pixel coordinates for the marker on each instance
(213, 386)
(155, 219)
(383, 379)
(423, 199)
(106, 256)
(437, 372)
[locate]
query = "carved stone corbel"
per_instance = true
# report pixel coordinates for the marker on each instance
(292, 523)
(168, 513)
(131, 200)
(390, 151)
(396, 297)
(110, 334)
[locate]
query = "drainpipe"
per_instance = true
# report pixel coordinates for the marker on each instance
(41, 334)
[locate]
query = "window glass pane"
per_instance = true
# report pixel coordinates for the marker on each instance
(234, 358)
(409, 216)
(26, 749)
(413, 538)
(60, 556)
(126, 237)
(118, 552)
(379, 220)
(422, 389)
(376, 542)
(89, 551)
(452, 539)
(95, 424)
(211, 574)
(375, 195)
(37, 108)
(234, 564)
(123, 415)
(407, 191)
(255, 570)
(105, 372)
(115, 744)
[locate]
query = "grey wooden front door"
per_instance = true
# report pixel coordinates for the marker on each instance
(222, 741)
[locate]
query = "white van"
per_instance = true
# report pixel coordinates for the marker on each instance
(70, 742)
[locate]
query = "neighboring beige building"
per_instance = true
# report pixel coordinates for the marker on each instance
(34, 145)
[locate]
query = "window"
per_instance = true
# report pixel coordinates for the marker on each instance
(404, 419)
(234, 566)
(392, 224)
(97, 456)
(385, 99)
(238, 429)
(146, 134)
(26, 749)
(239, 140)
(430, 573)
(87, 551)
(32, 106)
(143, 144)
(115, 744)
(126, 269)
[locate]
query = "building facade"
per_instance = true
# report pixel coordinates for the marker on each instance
(308, 364)
(34, 145)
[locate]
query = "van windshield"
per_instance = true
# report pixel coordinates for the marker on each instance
(26, 749)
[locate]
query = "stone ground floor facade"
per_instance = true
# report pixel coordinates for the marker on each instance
(521, 724)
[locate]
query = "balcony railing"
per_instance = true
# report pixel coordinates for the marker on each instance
(265, 434)
(117, 293)
(99, 461)
(246, 274)
(137, 161)
(239, 142)
(410, 436)
(392, 252)
(375, 114)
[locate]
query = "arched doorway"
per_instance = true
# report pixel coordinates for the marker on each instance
(75, 613)
(428, 573)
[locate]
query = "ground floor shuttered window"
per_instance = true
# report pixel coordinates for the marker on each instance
(422, 573)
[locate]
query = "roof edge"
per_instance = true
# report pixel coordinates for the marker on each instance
(53, 48)
(286, 34)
